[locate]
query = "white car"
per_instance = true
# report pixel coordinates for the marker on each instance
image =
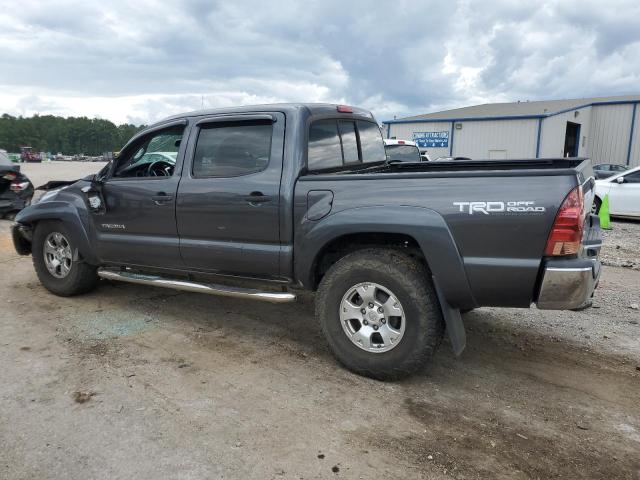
(624, 193)
(402, 150)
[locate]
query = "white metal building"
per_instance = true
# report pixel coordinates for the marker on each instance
(606, 129)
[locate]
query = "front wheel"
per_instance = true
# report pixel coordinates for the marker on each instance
(380, 313)
(58, 263)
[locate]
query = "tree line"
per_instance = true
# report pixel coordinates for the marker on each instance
(72, 135)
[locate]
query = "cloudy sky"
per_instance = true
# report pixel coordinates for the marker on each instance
(138, 61)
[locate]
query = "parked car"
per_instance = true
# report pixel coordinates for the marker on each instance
(16, 191)
(301, 197)
(624, 194)
(604, 170)
(450, 159)
(28, 155)
(402, 150)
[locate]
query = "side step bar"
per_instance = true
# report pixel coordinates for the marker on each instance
(211, 289)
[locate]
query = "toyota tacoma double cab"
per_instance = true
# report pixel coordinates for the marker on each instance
(261, 202)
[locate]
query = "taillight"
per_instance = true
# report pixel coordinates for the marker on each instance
(567, 230)
(19, 186)
(345, 109)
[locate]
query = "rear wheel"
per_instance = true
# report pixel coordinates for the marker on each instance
(58, 263)
(380, 313)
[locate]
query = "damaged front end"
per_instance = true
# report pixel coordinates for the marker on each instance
(22, 233)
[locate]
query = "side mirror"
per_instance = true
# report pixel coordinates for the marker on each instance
(620, 180)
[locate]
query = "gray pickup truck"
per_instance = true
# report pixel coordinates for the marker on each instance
(262, 202)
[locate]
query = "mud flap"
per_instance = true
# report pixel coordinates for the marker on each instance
(453, 320)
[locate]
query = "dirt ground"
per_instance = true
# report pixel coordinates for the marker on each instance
(136, 382)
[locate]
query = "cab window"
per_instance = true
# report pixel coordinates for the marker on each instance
(153, 155)
(232, 149)
(349, 142)
(325, 150)
(371, 143)
(334, 143)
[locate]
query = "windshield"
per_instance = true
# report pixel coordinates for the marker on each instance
(169, 157)
(404, 153)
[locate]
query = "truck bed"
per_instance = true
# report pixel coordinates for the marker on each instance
(502, 252)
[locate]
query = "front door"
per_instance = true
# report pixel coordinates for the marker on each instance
(138, 225)
(228, 207)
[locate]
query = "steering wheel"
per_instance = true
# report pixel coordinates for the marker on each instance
(159, 168)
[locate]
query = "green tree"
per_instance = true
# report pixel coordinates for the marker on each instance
(72, 135)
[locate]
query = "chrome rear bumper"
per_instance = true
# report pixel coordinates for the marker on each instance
(568, 284)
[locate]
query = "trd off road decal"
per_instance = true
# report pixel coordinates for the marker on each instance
(487, 208)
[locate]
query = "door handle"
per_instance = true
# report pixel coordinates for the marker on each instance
(162, 199)
(257, 197)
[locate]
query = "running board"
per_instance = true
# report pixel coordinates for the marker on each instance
(211, 289)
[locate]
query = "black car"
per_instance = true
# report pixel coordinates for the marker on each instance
(16, 190)
(605, 170)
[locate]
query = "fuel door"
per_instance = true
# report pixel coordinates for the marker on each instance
(319, 203)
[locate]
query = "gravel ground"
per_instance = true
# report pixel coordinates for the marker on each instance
(135, 382)
(622, 244)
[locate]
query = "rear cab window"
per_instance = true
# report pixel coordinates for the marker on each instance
(335, 143)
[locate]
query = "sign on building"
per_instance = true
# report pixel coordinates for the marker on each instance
(431, 139)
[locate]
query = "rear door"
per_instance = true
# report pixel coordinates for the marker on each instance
(228, 206)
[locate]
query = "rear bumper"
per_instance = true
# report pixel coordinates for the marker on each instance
(568, 284)
(12, 203)
(12, 206)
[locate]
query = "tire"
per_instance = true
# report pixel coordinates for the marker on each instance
(595, 208)
(409, 282)
(80, 278)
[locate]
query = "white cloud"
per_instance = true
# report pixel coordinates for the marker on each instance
(140, 61)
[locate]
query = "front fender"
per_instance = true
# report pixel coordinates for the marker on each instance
(63, 211)
(424, 225)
